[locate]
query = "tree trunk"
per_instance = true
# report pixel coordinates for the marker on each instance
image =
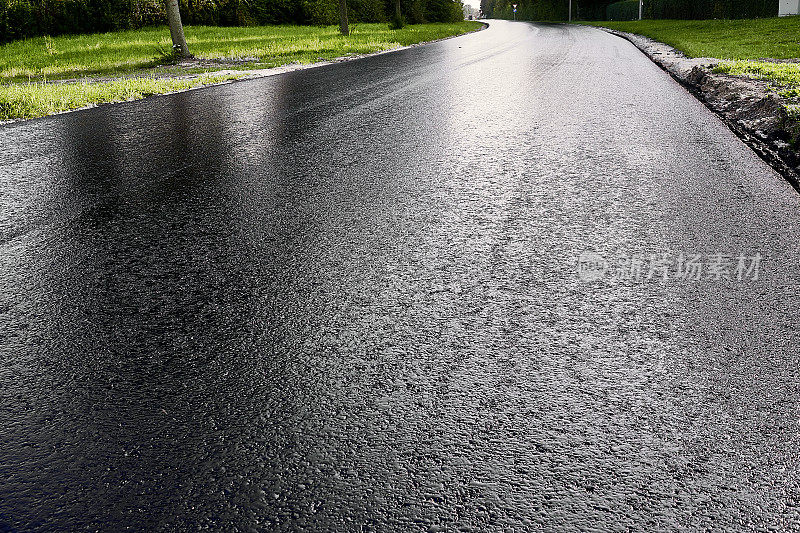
(179, 45)
(344, 27)
(397, 10)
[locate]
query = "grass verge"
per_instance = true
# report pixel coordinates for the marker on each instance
(784, 75)
(37, 99)
(124, 64)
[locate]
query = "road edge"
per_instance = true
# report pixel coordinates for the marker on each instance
(248, 75)
(750, 108)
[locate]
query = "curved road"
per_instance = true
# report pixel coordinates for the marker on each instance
(348, 299)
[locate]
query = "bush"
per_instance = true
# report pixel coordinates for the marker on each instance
(397, 22)
(319, 12)
(710, 9)
(443, 11)
(653, 9)
(627, 10)
(367, 10)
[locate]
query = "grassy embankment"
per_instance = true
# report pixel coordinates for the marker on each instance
(746, 47)
(128, 65)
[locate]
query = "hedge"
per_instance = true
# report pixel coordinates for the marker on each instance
(627, 10)
(653, 9)
(710, 9)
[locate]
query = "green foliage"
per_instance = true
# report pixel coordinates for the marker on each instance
(25, 18)
(112, 54)
(627, 10)
(555, 10)
(397, 22)
(710, 9)
(29, 18)
(786, 75)
(653, 9)
(724, 39)
(443, 11)
(33, 100)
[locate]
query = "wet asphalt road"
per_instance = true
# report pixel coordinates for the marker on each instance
(347, 299)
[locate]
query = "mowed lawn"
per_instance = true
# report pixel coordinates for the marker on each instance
(28, 66)
(119, 52)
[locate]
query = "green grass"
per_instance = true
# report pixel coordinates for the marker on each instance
(37, 99)
(785, 75)
(120, 52)
(775, 38)
(28, 67)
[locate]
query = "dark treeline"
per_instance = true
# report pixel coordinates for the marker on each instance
(653, 9)
(555, 10)
(28, 18)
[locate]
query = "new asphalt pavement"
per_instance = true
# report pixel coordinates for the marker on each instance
(516, 280)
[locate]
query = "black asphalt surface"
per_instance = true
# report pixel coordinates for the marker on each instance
(348, 299)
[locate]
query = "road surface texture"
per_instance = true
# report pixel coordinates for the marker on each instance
(348, 299)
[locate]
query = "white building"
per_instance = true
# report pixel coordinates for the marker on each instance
(788, 7)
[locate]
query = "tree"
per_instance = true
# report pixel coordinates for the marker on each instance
(396, 21)
(179, 45)
(344, 27)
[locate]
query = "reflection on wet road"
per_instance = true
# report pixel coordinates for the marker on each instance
(347, 299)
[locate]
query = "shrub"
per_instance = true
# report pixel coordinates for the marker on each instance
(397, 22)
(653, 9)
(708, 9)
(627, 10)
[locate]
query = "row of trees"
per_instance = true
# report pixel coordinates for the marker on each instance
(555, 10)
(438, 10)
(656, 9)
(27, 18)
